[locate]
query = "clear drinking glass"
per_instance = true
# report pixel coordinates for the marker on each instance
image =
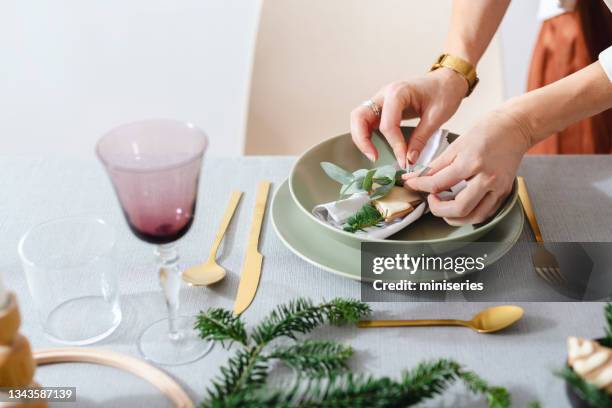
(154, 166)
(72, 278)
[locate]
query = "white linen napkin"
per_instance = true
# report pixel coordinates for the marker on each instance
(336, 213)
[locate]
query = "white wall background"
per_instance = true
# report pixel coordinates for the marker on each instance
(72, 69)
(517, 34)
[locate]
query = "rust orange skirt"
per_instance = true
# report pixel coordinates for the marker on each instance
(560, 50)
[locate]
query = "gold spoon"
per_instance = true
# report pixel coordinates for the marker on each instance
(210, 272)
(487, 321)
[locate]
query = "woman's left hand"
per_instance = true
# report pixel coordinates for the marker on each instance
(487, 157)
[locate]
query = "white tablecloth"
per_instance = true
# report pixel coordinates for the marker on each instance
(572, 196)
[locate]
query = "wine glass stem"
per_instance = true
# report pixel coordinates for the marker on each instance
(170, 280)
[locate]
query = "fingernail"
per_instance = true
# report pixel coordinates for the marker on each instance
(371, 157)
(401, 160)
(413, 156)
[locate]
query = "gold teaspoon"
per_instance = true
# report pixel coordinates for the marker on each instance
(211, 272)
(487, 321)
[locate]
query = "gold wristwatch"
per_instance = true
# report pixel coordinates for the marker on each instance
(460, 66)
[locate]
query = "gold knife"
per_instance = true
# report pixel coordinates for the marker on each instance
(528, 208)
(251, 267)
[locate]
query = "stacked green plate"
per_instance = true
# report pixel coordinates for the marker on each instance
(338, 251)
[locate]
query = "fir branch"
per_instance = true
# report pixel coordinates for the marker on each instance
(341, 311)
(221, 325)
(430, 379)
(302, 316)
(251, 399)
(497, 397)
(242, 383)
(314, 358)
(367, 216)
(426, 381)
(595, 397)
(246, 370)
(355, 391)
(298, 316)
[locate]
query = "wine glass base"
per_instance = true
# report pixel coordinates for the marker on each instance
(157, 346)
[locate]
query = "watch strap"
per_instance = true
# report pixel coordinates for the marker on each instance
(460, 66)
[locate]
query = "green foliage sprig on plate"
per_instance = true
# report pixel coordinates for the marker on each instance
(362, 180)
(377, 182)
(367, 216)
(322, 377)
(595, 397)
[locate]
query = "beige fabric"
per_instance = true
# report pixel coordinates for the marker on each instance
(316, 60)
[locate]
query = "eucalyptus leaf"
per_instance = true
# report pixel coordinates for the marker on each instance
(360, 173)
(367, 181)
(398, 177)
(353, 187)
(363, 180)
(337, 173)
(383, 181)
(345, 187)
(381, 191)
(386, 171)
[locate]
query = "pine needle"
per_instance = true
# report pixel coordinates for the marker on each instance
(595, 397)
(367, 216)
(221, 325)
(321, 374)
(314, 358)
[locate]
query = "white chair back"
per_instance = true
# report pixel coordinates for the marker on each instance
(316, 60)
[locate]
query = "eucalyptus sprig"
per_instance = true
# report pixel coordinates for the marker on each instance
(321, 373)
(363, 180)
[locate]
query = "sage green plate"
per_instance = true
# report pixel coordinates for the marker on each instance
(318, 247)
(310, 186)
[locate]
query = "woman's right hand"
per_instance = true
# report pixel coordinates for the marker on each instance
(487, 157)
(433, 98)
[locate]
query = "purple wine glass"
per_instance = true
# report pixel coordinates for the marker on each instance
(154, 166)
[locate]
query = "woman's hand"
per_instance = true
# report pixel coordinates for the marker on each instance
(487, 157)
(434, 98)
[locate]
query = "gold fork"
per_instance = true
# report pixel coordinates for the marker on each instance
(544, 262)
